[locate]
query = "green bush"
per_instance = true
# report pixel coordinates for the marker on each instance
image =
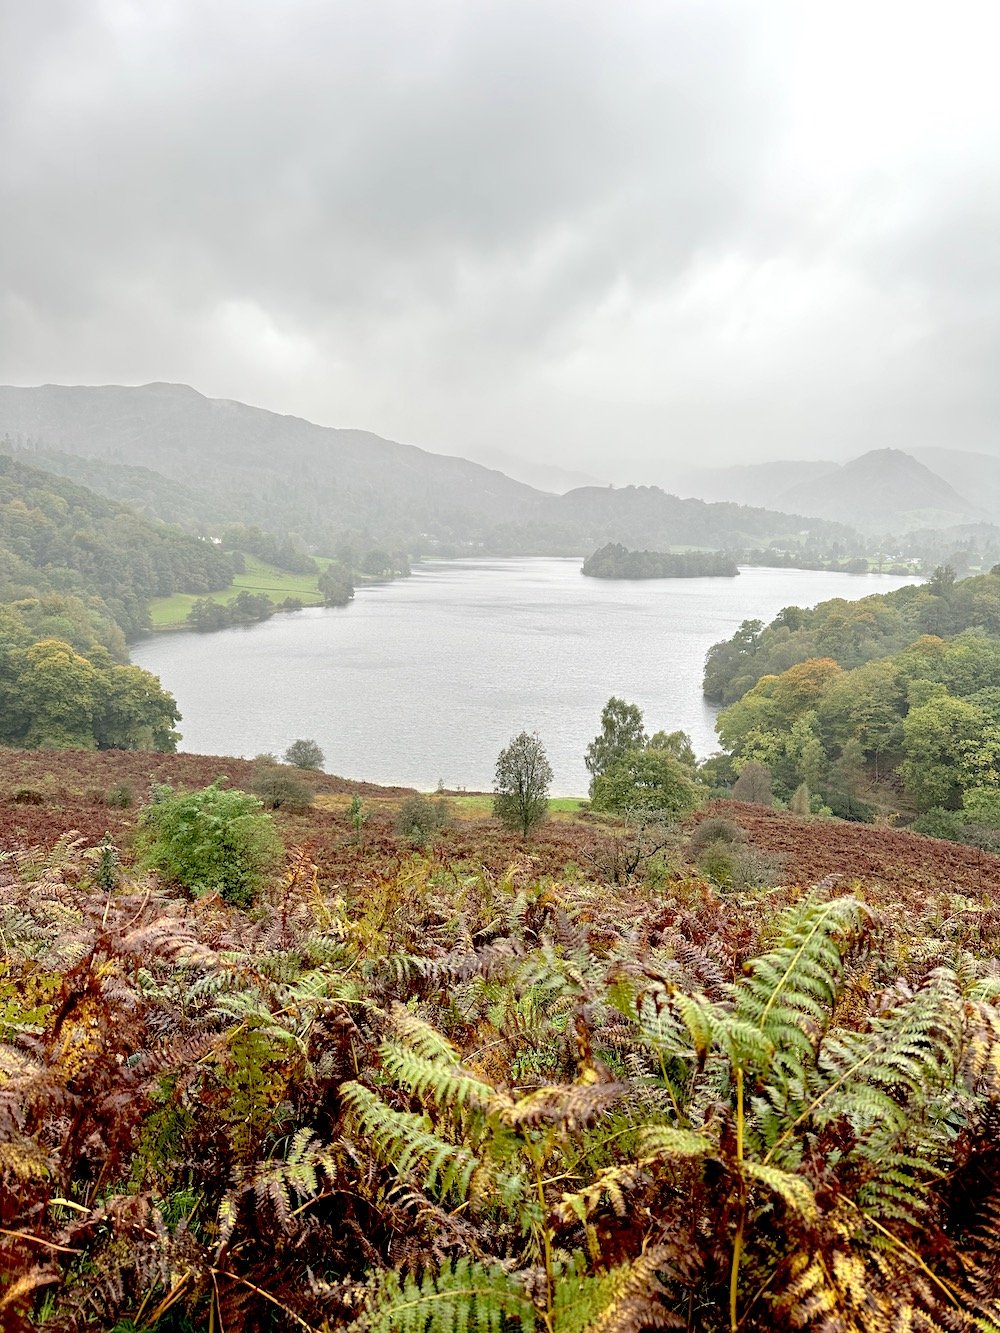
(304, 754)
(419, 818)
(27, 796)
(279, 789)
(213, 840)
(939, 823)
(715, 829)
(120, 796)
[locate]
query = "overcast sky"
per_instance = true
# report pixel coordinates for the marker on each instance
(605, 235)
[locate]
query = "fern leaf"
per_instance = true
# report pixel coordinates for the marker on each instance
(793, 1190)
(463, 1297)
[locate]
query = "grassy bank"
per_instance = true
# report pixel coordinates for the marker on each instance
(172, 612)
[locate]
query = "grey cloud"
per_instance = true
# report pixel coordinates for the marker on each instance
(453, 221)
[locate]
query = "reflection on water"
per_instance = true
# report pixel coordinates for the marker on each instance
(429, 677)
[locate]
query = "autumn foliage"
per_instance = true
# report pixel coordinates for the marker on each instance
(435, 1093)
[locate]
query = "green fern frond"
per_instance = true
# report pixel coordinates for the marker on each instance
(794, 1190)
(788, 993)
(407, 1142)
(623, 1299)
(660, 1141)
(442, 1081)
(463, 1297)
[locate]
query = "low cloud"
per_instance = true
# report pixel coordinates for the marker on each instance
(606, 236)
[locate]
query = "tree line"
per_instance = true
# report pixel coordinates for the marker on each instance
(825, 699)
(614, 561)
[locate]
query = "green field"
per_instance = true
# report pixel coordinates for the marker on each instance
(479, 805)
(172, 612)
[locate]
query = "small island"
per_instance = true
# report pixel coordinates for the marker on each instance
(615, 561)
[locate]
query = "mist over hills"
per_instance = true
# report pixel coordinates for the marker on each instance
(181, 456)
(882, 491)
(260, 467)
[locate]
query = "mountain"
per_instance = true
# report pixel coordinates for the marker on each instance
(750, 483)
(884, 490)
(206, 462)
(543, 476)
(971, 474)
(256, 466)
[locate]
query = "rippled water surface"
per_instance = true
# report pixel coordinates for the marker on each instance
(429, 677)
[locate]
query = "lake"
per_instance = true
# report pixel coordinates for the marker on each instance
(428, 678)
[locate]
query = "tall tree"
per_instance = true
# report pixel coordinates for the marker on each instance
(621, 732)
(521, 784)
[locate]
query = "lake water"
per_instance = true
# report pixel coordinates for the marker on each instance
(428, 678)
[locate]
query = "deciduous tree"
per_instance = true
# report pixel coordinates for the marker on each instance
(521, 784)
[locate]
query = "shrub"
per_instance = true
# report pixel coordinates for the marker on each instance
(846, 806)
(801, 802)
(209, 840)
(419, 818)
(120, 796)
(715, 829)
(278, 789)
(27, 796)
(939, 823)
(740, 867)
(304, 754)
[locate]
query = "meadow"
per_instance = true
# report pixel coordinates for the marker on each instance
(172, 612)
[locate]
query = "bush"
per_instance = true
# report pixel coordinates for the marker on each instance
(939, 823)
(715, 829)
(120, 796)
(845, 806)
(740, 867)
(304, 754)
(278, 789)
(27, 796)
(419, 818)
(213, 840)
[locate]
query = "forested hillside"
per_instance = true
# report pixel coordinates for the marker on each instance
(895, 699)
(59, 537)
(239, 464)
(76, 576)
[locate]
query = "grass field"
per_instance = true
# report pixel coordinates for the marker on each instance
(472, 805)
(172, 612)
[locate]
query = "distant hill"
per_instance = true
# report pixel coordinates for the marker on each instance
(256, 466)
(974, 475)
(883, 491)
(535, 472)
(179, 455)
(750, 483)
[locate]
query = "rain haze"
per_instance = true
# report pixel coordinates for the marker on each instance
(600, 236)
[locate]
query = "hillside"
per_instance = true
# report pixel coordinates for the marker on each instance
(885, 491)
(484, 1084)
(750, 483)
(281, 472)
(57, 537)
(974, 475)
(237, 463)
(40, 803)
